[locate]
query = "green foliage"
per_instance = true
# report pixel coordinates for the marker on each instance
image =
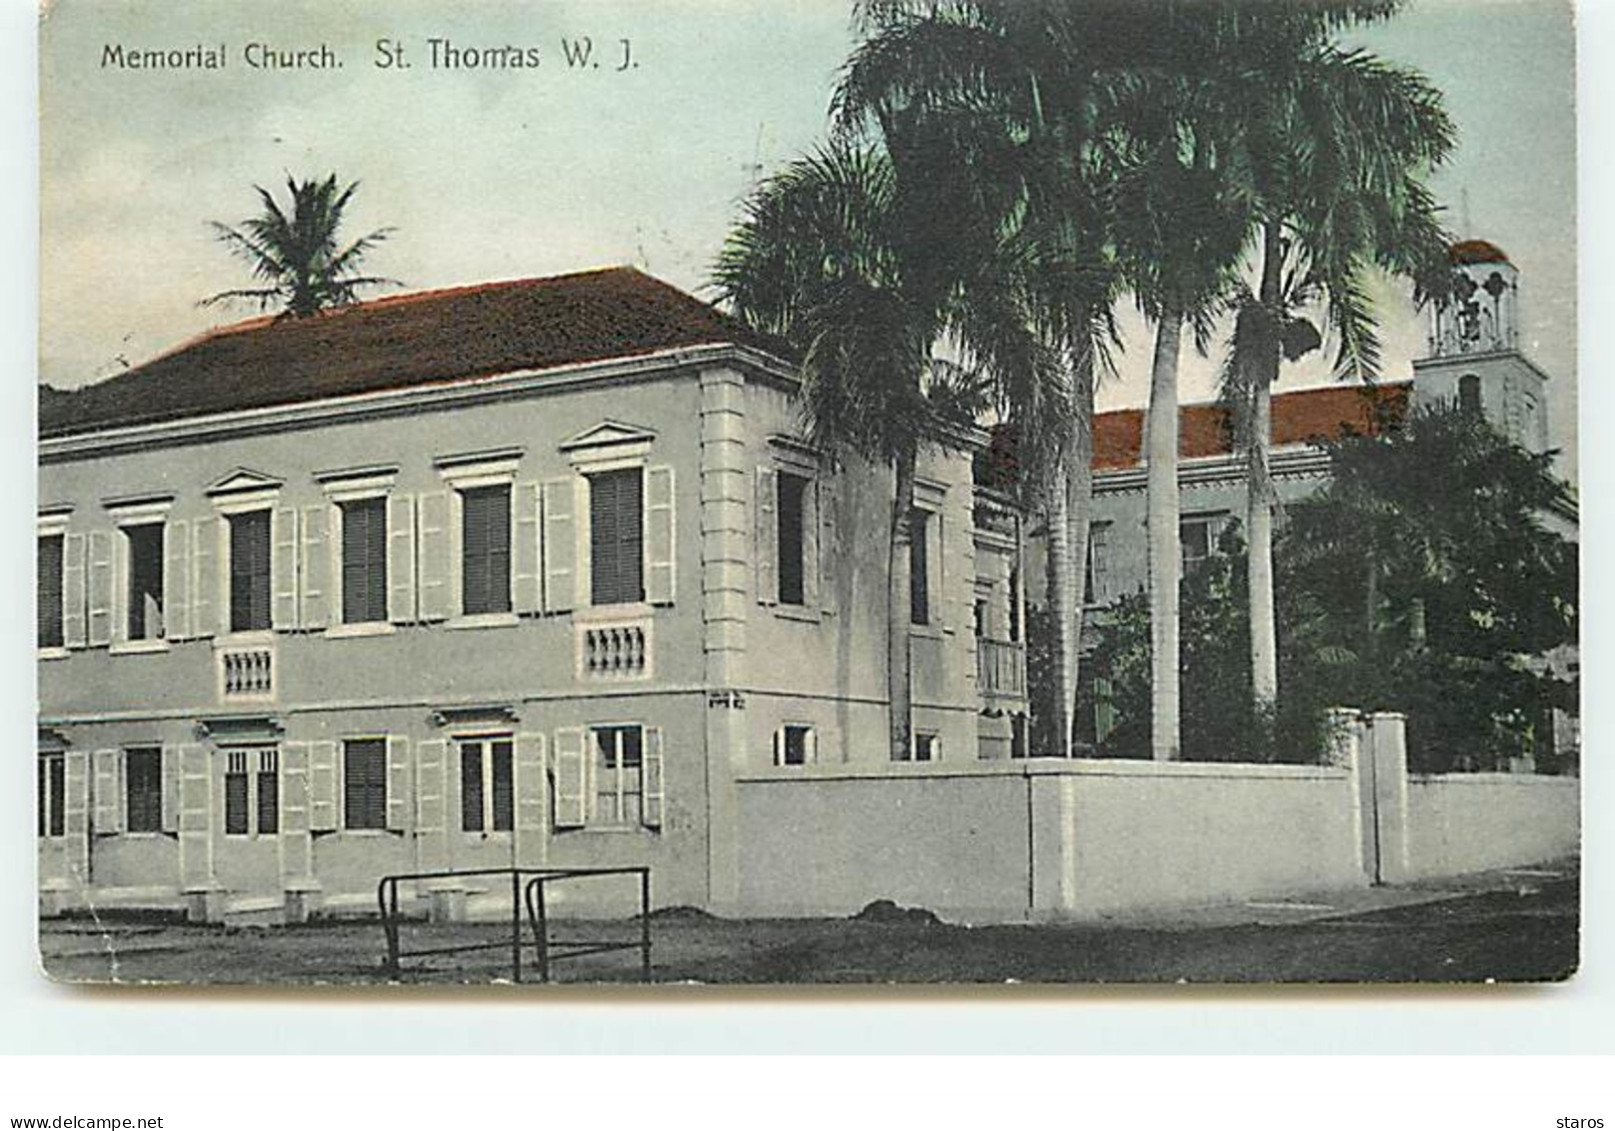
(296, 252)
(1220, 724)
(1427, 577)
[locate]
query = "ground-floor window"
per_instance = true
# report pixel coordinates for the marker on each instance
(795, 744)
(487, 784)
(251, 792)
(143, 789)
(618, 779)
(364, 783)
(52, 794)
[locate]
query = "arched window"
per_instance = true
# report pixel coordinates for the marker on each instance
(1469, 394)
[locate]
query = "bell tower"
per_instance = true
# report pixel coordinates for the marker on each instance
(1474, 358)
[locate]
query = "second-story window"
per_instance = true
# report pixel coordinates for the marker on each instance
(616, 537)
(249, 572)
(792, 539)
(145, 550)
(919, 569)
(485, 550)
(364, 561)
(50, 591)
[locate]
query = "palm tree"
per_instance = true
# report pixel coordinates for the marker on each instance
(1021, 87)
(860, 271)
(1337, 144)
(295, 252)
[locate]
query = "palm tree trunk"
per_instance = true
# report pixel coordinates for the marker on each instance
(1259, 493)
(1062, 605)
(1079, 508)
(899, 610)
(1165, 550)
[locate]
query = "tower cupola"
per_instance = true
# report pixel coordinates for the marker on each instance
(1482, 313)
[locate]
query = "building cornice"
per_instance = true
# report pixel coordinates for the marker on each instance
(397, 402)
(1297, 462)
(1463, 360)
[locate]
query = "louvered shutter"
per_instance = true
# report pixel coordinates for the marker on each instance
(560, 544)
(1099, 563)
(765, 543)
(616, 537)
(171, 794)
(364, 561)
(654, 802)
(827, 547)
(400, 803)
(101, 588)
(76, 810)
(74, 591)
(811, 526)
(779, 746)
(401, 559)
(571, 778)
(314, 569)
(660, 536)
(322, 786)
(177, 583)
(485, 550)
(530, 800)
(205, 577)
(107, 796)
(435, 560)
(284, 568)
(252, 583)
(297, 845)
(431, 804)
(195, 817)
(527, 581)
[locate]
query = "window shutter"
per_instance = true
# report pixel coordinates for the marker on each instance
(435, 556)
(322, 786)
(177, 583)
(765, 546)
(399, 802)
(526, 580)
(1099, 563)
(296, 842)
(530, 802)
(74, 591)
(810, 746)
(101, 587)
(76, 809)
(431, 804)
(810, 544)
(314, 574)
(205, 577)
(560, 544)
(654, 801)
(571, 808)
(827, 547)
(401, 559)
(170, 771)
(283, 568)
(195, 817)
(108, 798)
(779, 746)
(660, 536)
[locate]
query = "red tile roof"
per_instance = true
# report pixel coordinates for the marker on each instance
(423, 338)
(1475, 251)
(1300, 417)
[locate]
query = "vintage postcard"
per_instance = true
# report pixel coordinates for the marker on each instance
(727, 491)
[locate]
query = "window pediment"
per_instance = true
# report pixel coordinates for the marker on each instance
(609, 433)
(243, 480)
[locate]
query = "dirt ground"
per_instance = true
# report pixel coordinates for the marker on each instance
(1524, 932)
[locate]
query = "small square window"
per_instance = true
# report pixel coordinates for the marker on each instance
(924, 746)
(794, 745)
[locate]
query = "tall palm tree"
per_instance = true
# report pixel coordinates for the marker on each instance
(1337, 145)
(296, 252)
(860, 270)
(1022, 85)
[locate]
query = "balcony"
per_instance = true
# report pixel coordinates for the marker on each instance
(614, 650)
(246, 673)
(1000, 668)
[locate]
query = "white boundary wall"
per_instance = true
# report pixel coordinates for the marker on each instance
(1472, 822)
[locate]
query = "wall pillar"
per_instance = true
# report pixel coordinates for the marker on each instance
(1346, 738)
(1051, 846)
(725, 594)
(1386, 750)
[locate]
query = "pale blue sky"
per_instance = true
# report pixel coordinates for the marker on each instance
(493, 175)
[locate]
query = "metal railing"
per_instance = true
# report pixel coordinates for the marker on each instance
(532, 898)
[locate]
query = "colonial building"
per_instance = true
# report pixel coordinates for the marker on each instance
(522, 573)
